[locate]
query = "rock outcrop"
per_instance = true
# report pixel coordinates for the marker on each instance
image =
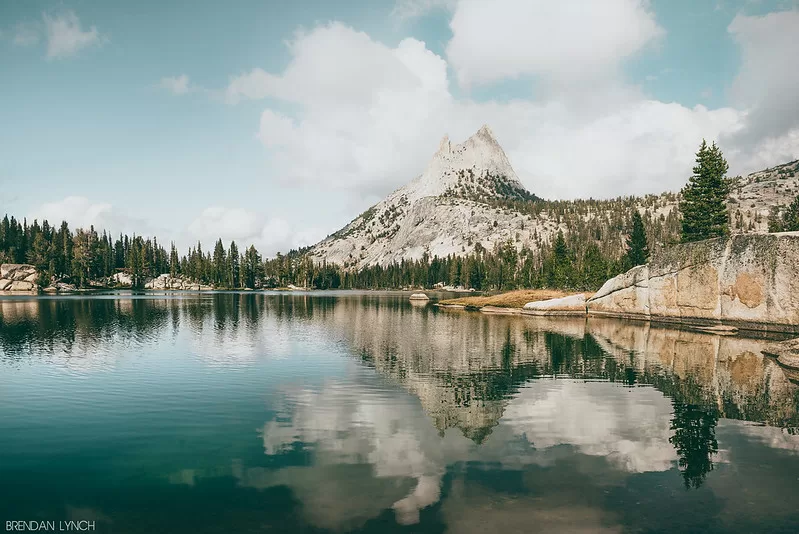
(18, 277)
(166, 281)
(748, 281)
(786, 352)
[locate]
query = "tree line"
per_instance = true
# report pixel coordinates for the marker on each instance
(583, 258)
(87, 258)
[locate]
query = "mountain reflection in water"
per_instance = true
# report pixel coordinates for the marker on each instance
(359, 411)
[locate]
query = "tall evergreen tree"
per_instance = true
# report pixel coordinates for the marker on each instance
(174, 261)
(637, 249)
(234, 267)
(595, 268)
(704, 198)
(219, 266)
(789, 221)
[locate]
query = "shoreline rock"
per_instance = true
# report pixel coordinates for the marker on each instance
(167, 282)
(18, 277)
(747, 281)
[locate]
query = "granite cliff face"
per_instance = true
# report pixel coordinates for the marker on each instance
(748, 281)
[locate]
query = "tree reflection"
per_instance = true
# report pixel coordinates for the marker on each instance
(694, 439)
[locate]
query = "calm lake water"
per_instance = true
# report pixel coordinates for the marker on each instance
(363, 412)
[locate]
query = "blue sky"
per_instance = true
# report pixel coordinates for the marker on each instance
(276, 122)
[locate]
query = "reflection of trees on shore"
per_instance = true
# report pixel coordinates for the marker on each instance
(52, 324)
(464, 366)
(694, 440)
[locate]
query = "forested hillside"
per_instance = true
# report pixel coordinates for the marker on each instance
(590, 245)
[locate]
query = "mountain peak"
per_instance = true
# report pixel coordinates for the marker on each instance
(453, 199)
(478, 167)
(445, 146)
(486, 133)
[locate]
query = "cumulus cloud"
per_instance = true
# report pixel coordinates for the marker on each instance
(80, 212)
(566, 42)
(369, 116)
(768, 80)
(177, 85)
(269, 235)
(366, 108)
(65, 35)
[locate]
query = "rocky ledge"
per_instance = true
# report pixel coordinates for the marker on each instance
(18, 277)
(747, 281)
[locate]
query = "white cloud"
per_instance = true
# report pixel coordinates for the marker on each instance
(566, 42)
(80, 212)
(25, 34)
(370, 116)
(768, 80)
(65, 37)
(269, 235)
(177, 85)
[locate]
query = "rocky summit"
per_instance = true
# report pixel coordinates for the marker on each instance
(443, 211)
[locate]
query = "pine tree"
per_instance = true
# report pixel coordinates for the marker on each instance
(174, 261)
(788, 222)
(219, 265)
(637, 249)
(252, 267)
(704, 198)
(234, 267)
(558, 269)
(595, 268)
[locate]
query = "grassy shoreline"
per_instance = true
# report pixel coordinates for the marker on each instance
(510, 299)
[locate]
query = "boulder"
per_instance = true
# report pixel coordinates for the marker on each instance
(18, 277)
(167, 282)
(21, 285)
(571, 305)
(419, 296)
(748, 281)
(7, 268)
(123, 279)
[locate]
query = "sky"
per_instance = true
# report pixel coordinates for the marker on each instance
(275, 123)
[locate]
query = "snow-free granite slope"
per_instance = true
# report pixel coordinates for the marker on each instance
(441, 212)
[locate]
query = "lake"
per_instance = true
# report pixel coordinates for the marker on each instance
(364, 412)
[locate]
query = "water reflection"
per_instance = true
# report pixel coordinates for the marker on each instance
(371, 411)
